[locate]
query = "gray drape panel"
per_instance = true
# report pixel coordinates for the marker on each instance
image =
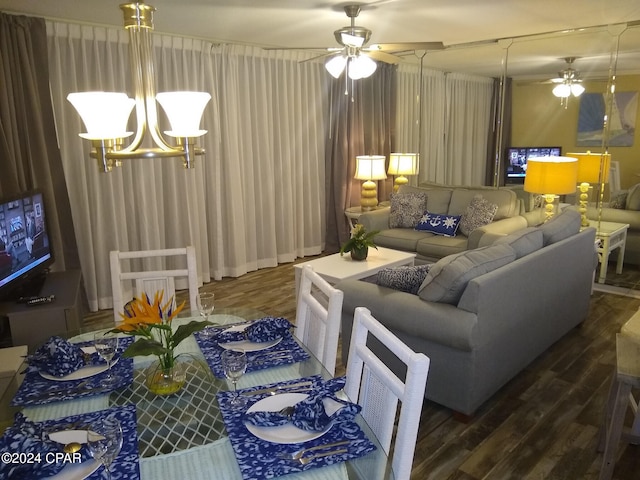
(498, 123)
(362, 123)
(29, 153)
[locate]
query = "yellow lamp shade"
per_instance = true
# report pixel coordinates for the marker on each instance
(403, 164)
(557, 175)
(370, 167)
(589, 166)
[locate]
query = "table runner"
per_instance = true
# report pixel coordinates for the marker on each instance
(286, 352)
(257, 458)
(37, 390)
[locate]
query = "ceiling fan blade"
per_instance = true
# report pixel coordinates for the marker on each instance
(401, 47)
(326, 49)
(381, 56)
(317, 57)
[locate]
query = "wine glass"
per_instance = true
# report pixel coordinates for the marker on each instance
(205, 308)
(104, 439)
(106, 345)
(234, 363)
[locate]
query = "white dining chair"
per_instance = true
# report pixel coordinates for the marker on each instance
(319, 307)
(143, 271)
(377, 389)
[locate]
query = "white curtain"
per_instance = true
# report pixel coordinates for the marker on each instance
(447, 122)
(255, 199)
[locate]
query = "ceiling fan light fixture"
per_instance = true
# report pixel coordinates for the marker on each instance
(361, 67)
(352, 40)
(577, 89)
(562, 91)
(335, 65)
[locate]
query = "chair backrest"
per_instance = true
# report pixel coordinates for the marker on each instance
(318, 314)
(377, 389)
(150, 281)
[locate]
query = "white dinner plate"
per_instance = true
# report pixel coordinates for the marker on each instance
(247, 345)
(74, 471)
(286, 433)
(83, 372)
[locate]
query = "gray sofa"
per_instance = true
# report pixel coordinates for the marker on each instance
(503, 319)
(448, 200)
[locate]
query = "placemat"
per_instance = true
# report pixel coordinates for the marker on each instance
(37, 390)
(258, 459)
(126, 465)
(286, 352)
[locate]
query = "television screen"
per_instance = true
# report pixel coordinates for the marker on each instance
(25, 251)
(517, 157)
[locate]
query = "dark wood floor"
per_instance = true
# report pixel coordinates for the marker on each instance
(541, 425)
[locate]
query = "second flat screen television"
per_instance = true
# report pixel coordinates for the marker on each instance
(517, 157)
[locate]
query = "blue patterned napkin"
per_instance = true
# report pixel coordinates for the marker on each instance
(265, 329)
(57, 357)
(286, 352)
(310, 414)
(37, 390)
(32, 437)
(258, 459)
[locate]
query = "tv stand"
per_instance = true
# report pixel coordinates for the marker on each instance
(33, 325)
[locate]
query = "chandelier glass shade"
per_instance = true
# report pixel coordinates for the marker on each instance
(106, 114)
(357, 66)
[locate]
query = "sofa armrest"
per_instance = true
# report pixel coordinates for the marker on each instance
(495, 230)
(632, 217)
(375, 219)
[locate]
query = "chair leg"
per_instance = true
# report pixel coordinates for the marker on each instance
(614, 421)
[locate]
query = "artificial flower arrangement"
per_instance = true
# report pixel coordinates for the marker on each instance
(151, 321)
(360, 240)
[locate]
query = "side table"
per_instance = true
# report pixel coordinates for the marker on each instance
(611, 235)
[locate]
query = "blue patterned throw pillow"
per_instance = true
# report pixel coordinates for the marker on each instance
(438, 223)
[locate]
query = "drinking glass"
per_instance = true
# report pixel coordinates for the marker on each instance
(104, 439)
(234, 363)
(205, 307)
(106, 345)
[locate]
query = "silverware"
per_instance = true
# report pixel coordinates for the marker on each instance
(279, 388)
(300, 453)
(281, 356)
(305, 460)
(71, 391)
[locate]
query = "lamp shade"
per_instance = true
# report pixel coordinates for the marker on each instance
(403, 164)
(370, 167)
(335, 65)
(184, 110)
(105, 114)
(589, 166)
(361, 67)
(557, 175)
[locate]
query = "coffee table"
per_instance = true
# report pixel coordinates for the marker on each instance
(334, 268)
(611, 235)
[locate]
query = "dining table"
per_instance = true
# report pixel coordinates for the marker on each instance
(195, 433)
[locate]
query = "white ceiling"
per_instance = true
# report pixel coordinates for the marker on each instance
(311, 23)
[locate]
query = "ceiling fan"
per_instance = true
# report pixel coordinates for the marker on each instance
(356, 57)
(567, 83)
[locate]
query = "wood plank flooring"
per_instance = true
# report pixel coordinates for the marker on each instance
(541, 425)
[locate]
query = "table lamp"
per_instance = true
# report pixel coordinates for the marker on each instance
(369, 168)
(402, 164)
(591, 166)
(551, 177)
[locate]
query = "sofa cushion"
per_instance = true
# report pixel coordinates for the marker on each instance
(448, 277)
(405, 278)
(438, 246)
(405, 239)
(523, 242)
(406, 209)
(633, 198)
(506, 199)
(437, 198)
(440, 224)
(561, 226)
(479, 212)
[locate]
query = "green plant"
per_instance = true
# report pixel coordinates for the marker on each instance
(360, 239)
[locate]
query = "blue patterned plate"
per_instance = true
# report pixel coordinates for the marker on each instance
(84, 372)
(286, 434)
(247, 345)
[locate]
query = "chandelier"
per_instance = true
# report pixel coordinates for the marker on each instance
(106, 114)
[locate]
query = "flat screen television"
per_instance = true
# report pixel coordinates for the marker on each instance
(25, 250)
(517, 157)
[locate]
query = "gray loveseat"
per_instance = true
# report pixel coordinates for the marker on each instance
(430, 247)
(479, 332)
